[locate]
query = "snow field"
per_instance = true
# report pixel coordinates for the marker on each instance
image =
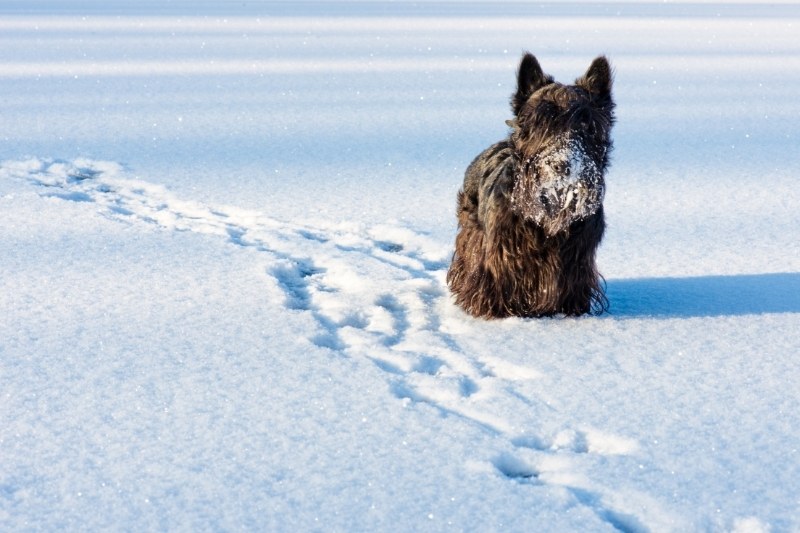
(224, 243)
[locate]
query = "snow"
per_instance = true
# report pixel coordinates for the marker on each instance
(225, 231)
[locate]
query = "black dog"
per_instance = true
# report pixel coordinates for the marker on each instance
(530, 214)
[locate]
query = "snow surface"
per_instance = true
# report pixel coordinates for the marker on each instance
(225, 229)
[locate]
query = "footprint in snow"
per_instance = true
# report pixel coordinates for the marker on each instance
(375, 293)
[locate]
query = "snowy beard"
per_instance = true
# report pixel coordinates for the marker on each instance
(558, 186)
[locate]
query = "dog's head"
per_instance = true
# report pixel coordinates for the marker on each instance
(562, 139)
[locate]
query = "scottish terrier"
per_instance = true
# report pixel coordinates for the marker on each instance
(530, 213)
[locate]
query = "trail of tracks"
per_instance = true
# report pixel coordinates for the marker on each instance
(376, 293)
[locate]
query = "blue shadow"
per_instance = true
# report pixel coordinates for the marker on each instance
(704, 296)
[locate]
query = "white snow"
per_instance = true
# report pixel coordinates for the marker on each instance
(225, 230)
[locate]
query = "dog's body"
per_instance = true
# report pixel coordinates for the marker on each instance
(530, 213)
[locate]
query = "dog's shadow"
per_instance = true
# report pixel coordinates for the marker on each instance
(704, 296)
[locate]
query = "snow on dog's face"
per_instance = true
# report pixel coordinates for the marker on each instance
(559, 186)
(562, 138)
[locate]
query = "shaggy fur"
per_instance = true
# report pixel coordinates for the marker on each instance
(530, 213)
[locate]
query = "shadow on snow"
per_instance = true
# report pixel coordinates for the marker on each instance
(705, 296)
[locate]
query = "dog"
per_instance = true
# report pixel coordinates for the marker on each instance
(530, 212)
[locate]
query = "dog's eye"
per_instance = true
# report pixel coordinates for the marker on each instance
(562, 167)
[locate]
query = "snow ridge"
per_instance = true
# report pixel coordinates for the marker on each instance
(376, 293)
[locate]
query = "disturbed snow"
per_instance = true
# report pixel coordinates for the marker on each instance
(223, 247)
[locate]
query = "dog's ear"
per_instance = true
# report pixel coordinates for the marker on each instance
(530, 78)
(598, 78)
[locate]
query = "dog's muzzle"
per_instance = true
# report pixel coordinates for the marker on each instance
(558, 186)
